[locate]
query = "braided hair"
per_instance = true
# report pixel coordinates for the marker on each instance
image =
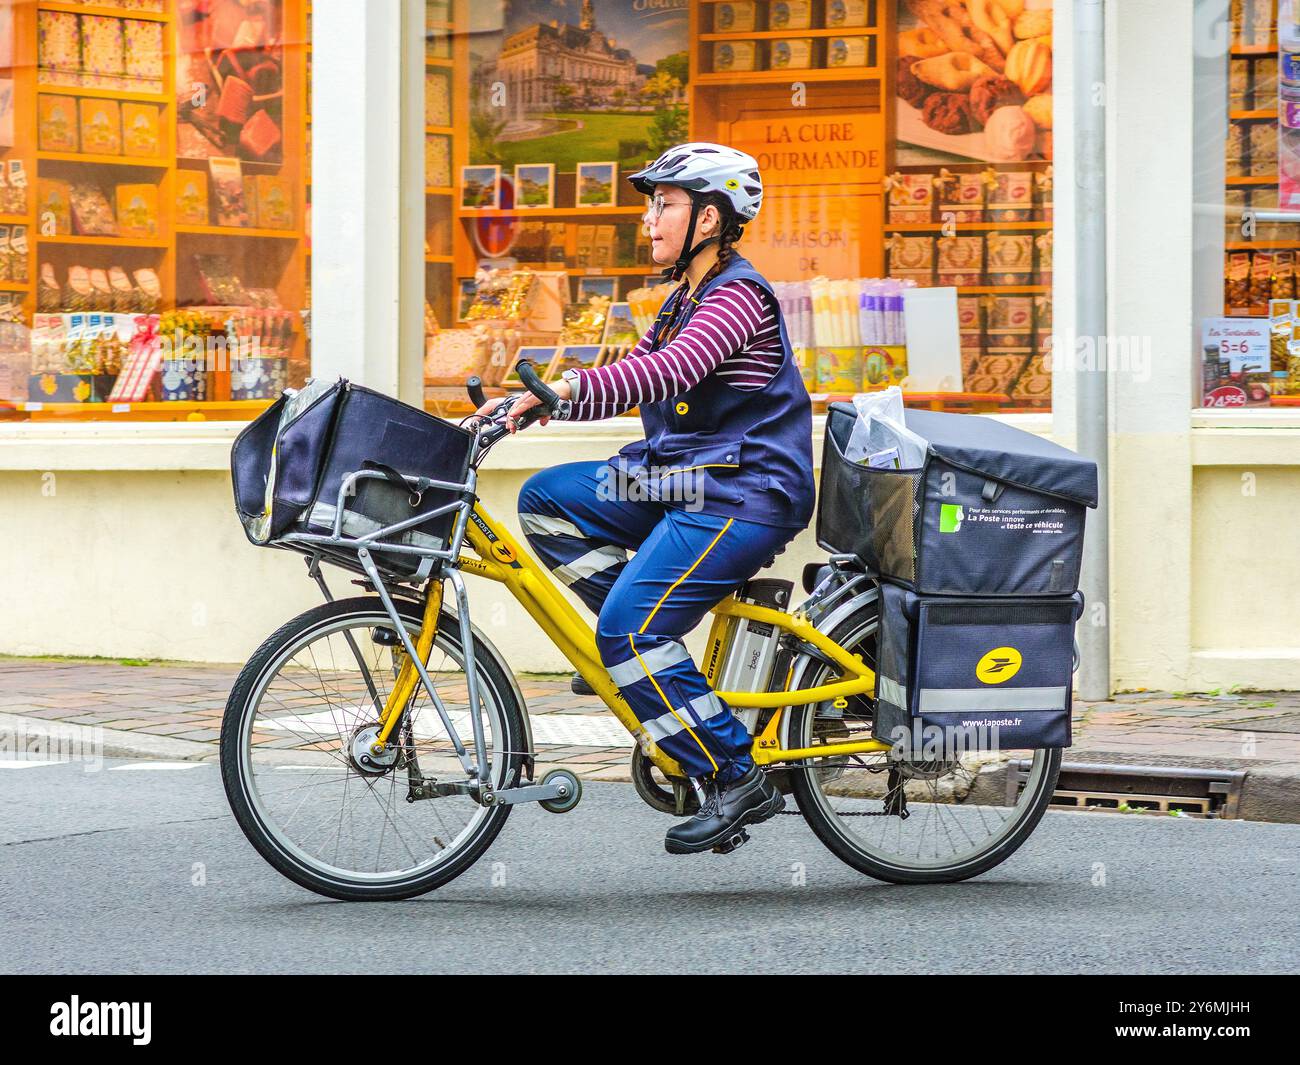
(730, 227)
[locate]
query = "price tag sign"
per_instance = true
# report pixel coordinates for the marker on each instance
(1243, 342)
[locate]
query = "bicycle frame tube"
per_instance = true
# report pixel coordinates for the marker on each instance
(500, 558)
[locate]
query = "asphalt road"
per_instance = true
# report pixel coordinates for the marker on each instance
(144, 870)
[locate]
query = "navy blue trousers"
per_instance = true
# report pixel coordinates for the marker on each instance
(685, 563)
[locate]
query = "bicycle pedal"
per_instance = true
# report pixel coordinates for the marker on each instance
(736, 839)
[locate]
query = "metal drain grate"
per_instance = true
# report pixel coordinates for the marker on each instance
(1084, 786)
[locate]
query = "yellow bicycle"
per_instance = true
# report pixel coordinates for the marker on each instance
(372, 747)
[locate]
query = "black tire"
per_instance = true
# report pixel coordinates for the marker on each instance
(828, 827)
(491, 672)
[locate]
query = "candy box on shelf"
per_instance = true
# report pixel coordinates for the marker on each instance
(264, 377)
(69, 387)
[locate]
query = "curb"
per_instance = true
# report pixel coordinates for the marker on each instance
(104, 742)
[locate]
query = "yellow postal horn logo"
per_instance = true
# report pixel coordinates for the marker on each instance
(1001, 663)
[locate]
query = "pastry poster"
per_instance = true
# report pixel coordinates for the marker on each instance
(230, 80)
(570, 81)
(974, 81)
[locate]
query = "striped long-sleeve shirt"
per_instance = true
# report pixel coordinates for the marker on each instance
(733, 332)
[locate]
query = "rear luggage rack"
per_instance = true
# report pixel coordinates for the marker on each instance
(1187, 792)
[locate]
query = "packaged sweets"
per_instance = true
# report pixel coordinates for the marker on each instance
(843, 14)
(1044, 179)
(1043, 242)
(137, 210)
(791, 53)
(848, 51)
(970, 314)
(1261, 282)
(274, 202)
(1234, 151)
(58, 48)
(1283, 287)
(1263, 149)
(911, 198)
(1010, 258)
(961, 260)
(54, 205)
(142, 46)
(1237, 288)
(57, 123)
(101, 127)
(1239, 84)
(191, 198)
(911, 257)
(92, 214)
(437, 98)
(140, 130)
(736, 16)
(1010, 320)
(735, 55)
(789, 14)
(1011, 195)
(961, 196)
(103, 51)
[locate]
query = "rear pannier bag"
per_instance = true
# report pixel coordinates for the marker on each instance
(994, 511)
(978, 674)
(289, 465)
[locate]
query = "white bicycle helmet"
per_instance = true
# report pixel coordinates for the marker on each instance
(701, 168)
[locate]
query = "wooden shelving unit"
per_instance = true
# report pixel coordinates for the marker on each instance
(263, 258)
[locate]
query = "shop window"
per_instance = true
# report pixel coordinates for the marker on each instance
(905, 146)
(154, 207)
(1248, 185)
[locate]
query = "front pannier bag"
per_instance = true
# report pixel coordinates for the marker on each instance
(994, 511)
(289, 465)
(977, 674)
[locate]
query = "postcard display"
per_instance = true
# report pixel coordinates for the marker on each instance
(154, 207)
(960, 197)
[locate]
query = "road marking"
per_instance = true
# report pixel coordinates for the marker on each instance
(29, 763)
(557, 730)
(156, 766)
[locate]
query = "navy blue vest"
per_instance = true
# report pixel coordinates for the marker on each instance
(726, 452)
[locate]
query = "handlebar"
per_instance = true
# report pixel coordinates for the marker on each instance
(550, 403)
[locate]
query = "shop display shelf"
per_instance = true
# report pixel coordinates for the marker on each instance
(111, 242)
(772, 35)
(979, 227)
(447, 130)
(546, 212)
(1261, 245)
(796, 73)
(15, 286)
(1267, 179)
(142, 162)
(212, 410)
(105, 94)
(440, 259)
(435, 61)
(439, 190)
(994, 290)
(105, 9)
(237, 231)
(15, 219)
(1254, 116)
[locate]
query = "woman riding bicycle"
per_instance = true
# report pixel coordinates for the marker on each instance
(721, 483)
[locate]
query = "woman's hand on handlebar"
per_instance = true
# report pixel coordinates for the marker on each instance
(527, 401)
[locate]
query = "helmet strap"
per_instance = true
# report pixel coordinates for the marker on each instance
(679, 268)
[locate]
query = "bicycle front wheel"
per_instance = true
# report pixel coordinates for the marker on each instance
(308, 791)
(904, 821)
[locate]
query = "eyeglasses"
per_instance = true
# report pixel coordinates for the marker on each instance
(654, 208)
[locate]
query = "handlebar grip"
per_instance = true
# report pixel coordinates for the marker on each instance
(475, 388)
(528, 375)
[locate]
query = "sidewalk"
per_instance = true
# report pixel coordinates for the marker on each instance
(174, 710)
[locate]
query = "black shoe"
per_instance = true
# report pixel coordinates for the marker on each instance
(720, 824)
(579, 686)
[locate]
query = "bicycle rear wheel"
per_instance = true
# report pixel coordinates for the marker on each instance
(960, 820)
(300, 776)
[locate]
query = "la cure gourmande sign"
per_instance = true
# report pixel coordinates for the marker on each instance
(822, 176)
